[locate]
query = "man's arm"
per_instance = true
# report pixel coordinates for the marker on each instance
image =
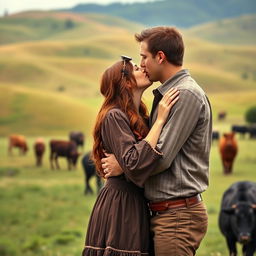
(110, 166)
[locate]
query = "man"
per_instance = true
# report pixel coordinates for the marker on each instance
(179, 218)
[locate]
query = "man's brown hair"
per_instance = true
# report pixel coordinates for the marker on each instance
(165, 39)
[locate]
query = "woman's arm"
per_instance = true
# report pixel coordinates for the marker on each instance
(133, 159)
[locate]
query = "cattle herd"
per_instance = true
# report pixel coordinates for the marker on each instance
(237, 217)
(59, 148)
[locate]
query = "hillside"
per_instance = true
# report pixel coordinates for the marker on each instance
(52, 85)
(40, 25)
(239, 30)
(34, 112)
(184, 13)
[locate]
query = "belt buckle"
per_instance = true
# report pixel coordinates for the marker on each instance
(152, 213)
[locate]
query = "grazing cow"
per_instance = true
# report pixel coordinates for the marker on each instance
(215, 135)
(89, 172)
(237, 219)
(17, 141)
(66, 149)
(242, 129)
(222, 115)
(228, 150)
(77, 137)
(39, 149)
(252, 131)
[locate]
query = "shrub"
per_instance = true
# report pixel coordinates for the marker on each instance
(9, 171)
(69, 24)
(250, 115)
(35, 243)
(244, 76)
(6, 249)
(61, 88)
(64, 239)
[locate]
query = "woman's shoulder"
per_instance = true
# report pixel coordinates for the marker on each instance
(116, 113)
(115, 118)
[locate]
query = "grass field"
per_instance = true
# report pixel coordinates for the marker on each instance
(45, 212)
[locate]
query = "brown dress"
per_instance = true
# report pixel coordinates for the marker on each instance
(119, 223)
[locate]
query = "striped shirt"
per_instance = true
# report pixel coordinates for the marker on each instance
(185, 142)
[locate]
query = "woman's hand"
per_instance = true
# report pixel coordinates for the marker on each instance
(164, 107)
(166, 103)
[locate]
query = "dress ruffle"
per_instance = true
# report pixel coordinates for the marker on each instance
(96, 251)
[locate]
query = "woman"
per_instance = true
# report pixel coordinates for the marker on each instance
(119, 223)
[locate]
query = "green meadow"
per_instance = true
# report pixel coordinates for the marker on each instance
(44, 212)
(50, 69)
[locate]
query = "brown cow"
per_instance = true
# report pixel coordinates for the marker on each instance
(17, 141)
(39, 149)
(228, 150)
(66, 149)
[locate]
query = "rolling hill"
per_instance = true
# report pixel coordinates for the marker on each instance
(186, 13)
(50, 84)
(239, 30)
(35, 112)
(40, 25)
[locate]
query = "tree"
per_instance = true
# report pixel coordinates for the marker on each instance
(250, 115)
(69, 24)
(6, 13)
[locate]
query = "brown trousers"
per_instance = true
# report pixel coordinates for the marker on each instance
(178, 232)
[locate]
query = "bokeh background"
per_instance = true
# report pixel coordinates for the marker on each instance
(52, 56)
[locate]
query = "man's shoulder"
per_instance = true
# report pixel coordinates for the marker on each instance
(189, 85)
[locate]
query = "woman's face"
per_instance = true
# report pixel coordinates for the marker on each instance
(141, 77)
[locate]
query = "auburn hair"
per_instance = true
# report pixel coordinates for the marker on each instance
(117, 89)
(166, 39)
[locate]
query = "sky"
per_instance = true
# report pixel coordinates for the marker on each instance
(13, 6)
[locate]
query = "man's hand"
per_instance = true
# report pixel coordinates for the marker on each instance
(110, 166)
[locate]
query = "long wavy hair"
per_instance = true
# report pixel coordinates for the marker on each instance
(117, 89)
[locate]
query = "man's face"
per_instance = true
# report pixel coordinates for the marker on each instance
(149, 63)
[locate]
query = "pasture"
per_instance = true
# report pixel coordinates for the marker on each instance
(49, 85)
(45, 212)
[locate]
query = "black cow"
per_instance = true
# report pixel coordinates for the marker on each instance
(237, 219)
(242, 129)
(89, 172)
(215, 135)
(60, 148)
(77, 137)
(252, 131)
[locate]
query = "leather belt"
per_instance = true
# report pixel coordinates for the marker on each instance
(174, 204)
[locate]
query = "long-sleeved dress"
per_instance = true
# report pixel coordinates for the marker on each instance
(119, 223)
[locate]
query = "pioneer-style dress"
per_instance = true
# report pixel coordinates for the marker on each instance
(119, 223)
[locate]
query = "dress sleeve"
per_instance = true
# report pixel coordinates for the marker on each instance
(137, 158)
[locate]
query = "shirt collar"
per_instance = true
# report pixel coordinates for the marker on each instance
(163, 88)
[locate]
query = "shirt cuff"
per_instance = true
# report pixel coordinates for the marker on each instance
(156, 149)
